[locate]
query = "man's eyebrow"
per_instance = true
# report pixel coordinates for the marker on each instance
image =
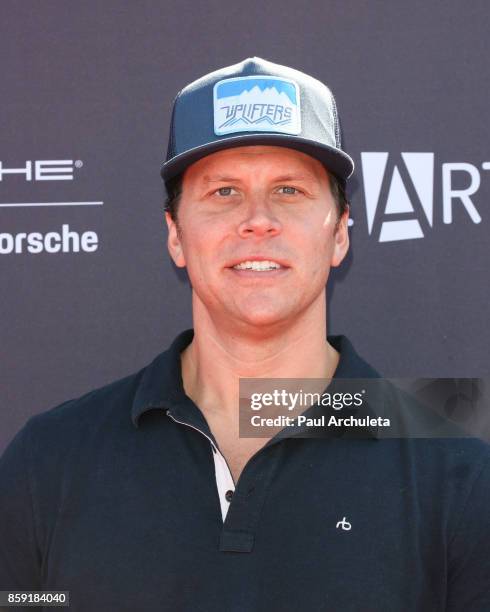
(216, 178)
(295, 177)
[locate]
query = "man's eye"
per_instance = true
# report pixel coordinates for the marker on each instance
(224, 191)
(288, 190)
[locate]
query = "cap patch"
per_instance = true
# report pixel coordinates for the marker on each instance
(256, 104)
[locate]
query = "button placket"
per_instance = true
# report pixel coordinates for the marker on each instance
(239, 525)
(223, 477)
(238, 534)
(224, 481)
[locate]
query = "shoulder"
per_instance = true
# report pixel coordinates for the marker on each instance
(93, 406)
(446, 456)
(84, 423)
(58, 445)
(65, 425)
(469, 535)
(464, 459)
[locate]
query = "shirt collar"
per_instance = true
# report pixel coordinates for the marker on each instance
(161, 384)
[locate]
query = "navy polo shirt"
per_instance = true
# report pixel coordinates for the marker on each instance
(117, 497)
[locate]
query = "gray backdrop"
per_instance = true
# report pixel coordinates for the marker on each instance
(88, 87)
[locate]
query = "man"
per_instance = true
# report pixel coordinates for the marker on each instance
(142, 496)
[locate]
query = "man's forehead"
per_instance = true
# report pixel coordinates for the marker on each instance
(236, 163)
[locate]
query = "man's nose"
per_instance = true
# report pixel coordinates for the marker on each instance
(259, 218)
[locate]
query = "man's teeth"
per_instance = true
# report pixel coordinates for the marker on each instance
(259, 266)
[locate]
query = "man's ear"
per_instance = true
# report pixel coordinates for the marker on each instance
(174, 244)
(341, 240)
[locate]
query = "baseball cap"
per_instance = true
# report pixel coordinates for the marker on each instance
(255, 102)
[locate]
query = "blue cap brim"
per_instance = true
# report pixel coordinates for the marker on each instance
(335, 160)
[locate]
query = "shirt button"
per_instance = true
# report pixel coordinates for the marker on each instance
(229, 495)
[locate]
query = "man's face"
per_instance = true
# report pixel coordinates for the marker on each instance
(257, 207)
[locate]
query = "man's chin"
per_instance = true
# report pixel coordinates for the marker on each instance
(263, 321)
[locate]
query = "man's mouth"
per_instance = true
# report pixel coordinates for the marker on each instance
(257, 266)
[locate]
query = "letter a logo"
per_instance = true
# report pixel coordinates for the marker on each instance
(400, 220)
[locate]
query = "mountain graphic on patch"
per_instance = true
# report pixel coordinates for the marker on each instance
(256, 104)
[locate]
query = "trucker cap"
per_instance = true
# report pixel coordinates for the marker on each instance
(255, 102)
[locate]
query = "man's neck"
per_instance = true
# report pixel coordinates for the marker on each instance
(216, 359)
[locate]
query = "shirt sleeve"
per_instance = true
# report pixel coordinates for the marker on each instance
(19, 554)
(469, 550)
